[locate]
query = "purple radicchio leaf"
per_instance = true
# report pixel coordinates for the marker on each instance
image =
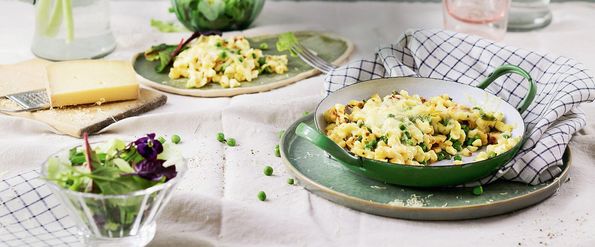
(154, 170)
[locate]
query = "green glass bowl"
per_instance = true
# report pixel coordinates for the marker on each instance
(219, 15)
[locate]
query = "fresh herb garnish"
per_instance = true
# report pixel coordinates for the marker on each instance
(286, 41)
(166, 27)
(444, 121)
(166, 54)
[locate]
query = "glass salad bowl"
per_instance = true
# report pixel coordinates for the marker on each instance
(114, 219)
(220, 15)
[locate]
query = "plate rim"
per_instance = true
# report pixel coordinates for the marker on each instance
(377, 208)
(227, 92)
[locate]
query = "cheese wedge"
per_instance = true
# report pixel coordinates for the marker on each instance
(90, 82)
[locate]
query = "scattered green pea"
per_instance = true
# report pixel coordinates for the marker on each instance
(306, 113)
(220, 137)
(176, 139)
(263, 46)
(458, 157)
(478, 190)
(268, 170)
(277, 151)
(290, 181)
(231, 142)
(262, 196)
(161, 139)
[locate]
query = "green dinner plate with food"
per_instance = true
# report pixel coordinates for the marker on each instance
(214, 66)
(421, 132)
(332, 180)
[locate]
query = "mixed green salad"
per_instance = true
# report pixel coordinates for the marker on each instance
(216, 14)
(115, 168)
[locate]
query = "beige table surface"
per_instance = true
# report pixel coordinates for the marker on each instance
(216, 203)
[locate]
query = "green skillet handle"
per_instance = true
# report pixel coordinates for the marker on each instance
(326, 144)
(508, 69)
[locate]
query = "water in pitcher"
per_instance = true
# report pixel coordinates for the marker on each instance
(487, 18)
(529, 14)
(82, 33)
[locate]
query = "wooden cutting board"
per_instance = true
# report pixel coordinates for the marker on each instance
(75, 120)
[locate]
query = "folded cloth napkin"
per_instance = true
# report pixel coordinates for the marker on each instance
(552, 119)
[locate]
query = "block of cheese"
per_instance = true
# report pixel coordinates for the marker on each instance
(90, 81)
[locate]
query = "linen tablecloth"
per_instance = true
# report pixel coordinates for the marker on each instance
(216, 204)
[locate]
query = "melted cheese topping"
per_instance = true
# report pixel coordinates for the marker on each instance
(408, 129)
(225, 61)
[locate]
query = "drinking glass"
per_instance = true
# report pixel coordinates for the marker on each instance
(72, 29)
(116, 220)
(487, 18)
(526, 15)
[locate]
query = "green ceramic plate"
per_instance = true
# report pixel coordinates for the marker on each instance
(328, 46)
(333, 181)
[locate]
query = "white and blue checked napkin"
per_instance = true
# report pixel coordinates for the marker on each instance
(552, 119)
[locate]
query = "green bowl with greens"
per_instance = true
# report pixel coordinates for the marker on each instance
(220, 15)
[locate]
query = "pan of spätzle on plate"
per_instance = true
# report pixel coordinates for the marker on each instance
(421, 132)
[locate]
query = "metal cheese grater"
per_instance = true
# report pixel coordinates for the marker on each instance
(28, 101)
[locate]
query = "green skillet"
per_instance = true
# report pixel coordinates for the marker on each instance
(442, 173)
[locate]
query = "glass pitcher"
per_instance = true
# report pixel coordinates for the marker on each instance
(72, 29)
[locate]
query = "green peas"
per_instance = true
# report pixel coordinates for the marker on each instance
(306, 113)
(277, 151)
(220, 137)
(231, 142)
(263, 46)
(492, 154)
(478, 190)
(457, 145)
(268, 171)
(465, 128)
(262, 196)
(176, 139)
(290, 181)
(161, 139)
(458, 157)
(371, 145)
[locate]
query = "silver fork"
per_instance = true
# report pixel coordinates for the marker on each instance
(312, 59)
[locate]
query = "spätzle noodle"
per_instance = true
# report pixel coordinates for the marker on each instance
(408, 129)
